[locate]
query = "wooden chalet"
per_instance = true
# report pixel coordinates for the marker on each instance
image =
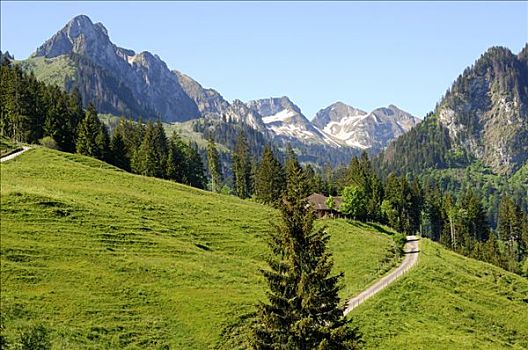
(318, 202)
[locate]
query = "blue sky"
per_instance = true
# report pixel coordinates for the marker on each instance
(364, 54)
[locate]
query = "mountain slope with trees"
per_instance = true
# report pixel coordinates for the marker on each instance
(483, 116)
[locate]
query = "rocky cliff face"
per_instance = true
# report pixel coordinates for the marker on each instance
(483, 116)
(486, 110)
(357, 128)
(147, 78)
(336, 112)
(208, 101)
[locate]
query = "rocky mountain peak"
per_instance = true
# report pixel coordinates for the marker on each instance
(486, 110)
(359, 129)
(523, 55)
(124, 82)
(77, 36)
(335, 113)
(273, 105)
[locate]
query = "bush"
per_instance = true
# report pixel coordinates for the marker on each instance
(49, 142)
(36, 338)
(399, 243)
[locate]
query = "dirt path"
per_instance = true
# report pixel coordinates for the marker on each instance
(411, 257)
(14, 155)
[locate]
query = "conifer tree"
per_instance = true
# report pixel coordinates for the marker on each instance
(303, 309)
(242, 167)
(294, 171)
(118, 151)
(151, 157)
(476, 223)
(89, 138)
(102, 139)
(269, 178)
(146, 161)
(161, 147)
(194, 172)
(360, 173)
(511, 224)
(214, 165)
(176, 161)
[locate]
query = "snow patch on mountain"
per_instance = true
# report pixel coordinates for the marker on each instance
(285, 120)
(356, 128)
(282, 116)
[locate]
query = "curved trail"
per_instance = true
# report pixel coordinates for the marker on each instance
(411, 257)
(14, 155)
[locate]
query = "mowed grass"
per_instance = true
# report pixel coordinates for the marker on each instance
(106, 259)
(448, 302)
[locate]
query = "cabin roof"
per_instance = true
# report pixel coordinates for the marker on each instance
(318, 201)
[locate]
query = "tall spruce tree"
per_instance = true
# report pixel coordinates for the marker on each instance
(242, 167)
(215, 166)
(176, 161)
(194, 170)
(151, 157)
(360, 173)
(269, 178)
(118, 151)
(303, 309)
(91, 140)
(511, 224)
(294, 173)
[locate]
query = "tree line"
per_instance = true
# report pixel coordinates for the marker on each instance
(458, 220)
(34, 112)
(31, 111)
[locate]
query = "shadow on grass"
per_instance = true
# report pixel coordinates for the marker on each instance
(379, 228)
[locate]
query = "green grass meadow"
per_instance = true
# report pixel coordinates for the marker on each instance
(448, 302)
(106, 259)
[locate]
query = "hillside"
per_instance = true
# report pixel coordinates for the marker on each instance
(483, 116)
(448, 302)
(115, 260)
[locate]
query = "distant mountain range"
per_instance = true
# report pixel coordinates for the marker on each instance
(122, 82)
(356, 128)
(483, 116)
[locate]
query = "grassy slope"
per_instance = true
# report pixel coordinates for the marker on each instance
(448, 302)
(107, 259)
(50, 70)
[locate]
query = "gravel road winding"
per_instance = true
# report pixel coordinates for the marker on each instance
(14, 155)
(411, 257)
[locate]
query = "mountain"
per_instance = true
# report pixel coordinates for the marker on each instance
(208, 101)
(357, 128)
(118, 80)
(482, 117)
(122, 82)
(5, 57)
(286, 122)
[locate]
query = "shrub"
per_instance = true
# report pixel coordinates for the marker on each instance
(49, 142)
(36, 338)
